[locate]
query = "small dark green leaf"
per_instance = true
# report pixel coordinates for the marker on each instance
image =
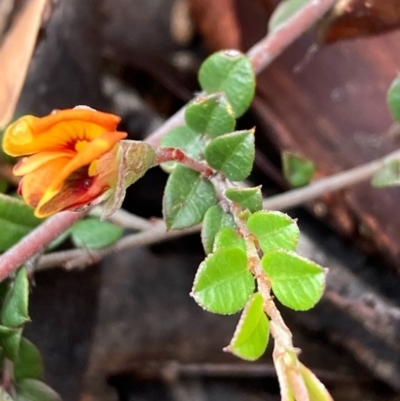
(297, 282)
(223, 282)
(297, 170)
(9, 341)
(182, 137)
(231, 72)
(93, 233)
(388, 175)
(187, 197)
(228, 238)
(214, 219)
(35, 390)
(316, 390)
(210, 114)
(393, 99)
(252, 332)
(29, 364)
(274, 230)
(3, 186)
(247, 198)
(284, 11)
(16, 220)
(14, 312)
(232, 154)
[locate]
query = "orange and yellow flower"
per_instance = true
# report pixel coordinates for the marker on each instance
(70, 157)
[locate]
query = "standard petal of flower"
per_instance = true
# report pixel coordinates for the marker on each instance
(91, 152)
(59, 131)
(31, 163)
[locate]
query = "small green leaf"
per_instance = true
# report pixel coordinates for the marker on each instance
(223, 283)
(14, 312)
(214, 219)
(231, 72)
(93, 233)
(297, 170)
(388, 175)
(10, 341)
(228, 238)
(393, 99)
(247, 198)
(297, 282)
(3, 185)
(316, 390)
(210, 114)
(29, 364)
(182, 137)
(187, 197)
(284, 11)
(16, 220)
(274, 230)
(252, 332)
(60, 239)
(35, 390)
(232, 154)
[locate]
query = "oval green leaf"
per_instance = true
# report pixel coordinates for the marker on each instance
(211, 115)
(35, 390)
(297, 282)
(223, 283)
(297, 169)
(388, 175)
(252, 332)
(214, 219)
(228, 238)
(9, 341)
(29, 364)
(247, 198)
(16, 221)
(230, 72)
(232, 154)
(393, 99)
(93, 233)
(316, 390)
(284, 11)
(14, 312)
(274, 230)
(182, 137)
(187, 197)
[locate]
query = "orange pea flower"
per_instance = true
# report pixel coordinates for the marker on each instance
(70, 158)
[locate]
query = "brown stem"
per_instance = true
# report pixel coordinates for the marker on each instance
(176, 155)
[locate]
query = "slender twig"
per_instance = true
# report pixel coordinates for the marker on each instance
(261, 55)
(77, 258)
(335, 182)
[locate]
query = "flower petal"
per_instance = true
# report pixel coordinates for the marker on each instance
(77, 191)
(58, 131)
(34, 185)
(31, 163)
(95, 149)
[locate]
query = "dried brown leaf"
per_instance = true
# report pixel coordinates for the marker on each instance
(354, 18)
(15, 54)
(217, 22)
